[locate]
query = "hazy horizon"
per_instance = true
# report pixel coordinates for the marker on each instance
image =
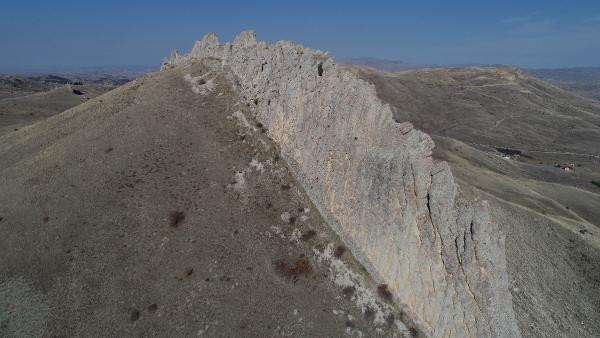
(71, 35)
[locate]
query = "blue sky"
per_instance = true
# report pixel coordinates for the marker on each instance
(72, 34)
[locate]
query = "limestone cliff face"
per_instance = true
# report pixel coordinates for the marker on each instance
(374, 180)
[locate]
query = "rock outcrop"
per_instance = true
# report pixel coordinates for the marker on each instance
(374, 180)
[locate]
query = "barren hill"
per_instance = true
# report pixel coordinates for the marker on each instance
(251, 189)
(159, 209)
(582, 80)
(27, 99)
(17, 112)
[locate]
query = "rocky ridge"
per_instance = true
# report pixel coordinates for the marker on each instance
(375, 182)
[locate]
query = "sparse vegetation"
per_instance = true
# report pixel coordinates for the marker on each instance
(390, 319)
(348, 291)
(369, 313)
(135, 315)
(339, 251)
(596, 183)
(384, 292)
(176, 217)
(307, 235)
(300, 267)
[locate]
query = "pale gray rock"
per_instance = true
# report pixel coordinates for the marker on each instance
(374, 180)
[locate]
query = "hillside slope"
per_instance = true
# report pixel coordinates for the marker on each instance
(584, 81)
(550, 217)
(17, 112)
(162, 209)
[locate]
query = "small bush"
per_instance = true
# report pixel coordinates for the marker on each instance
(135, 315)
(348, 291)
(308, 235)
(369, 313)
(390, 319)
(339, 251)
(384, 292)
(300, 267)
(176, 218)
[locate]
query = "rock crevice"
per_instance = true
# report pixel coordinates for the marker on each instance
(375, 182)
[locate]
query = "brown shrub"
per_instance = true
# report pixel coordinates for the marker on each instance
(339, 251)
(300, 267)
(348, 291)
(384, 292)
(135, 315)
(176, 218)
(308, 235)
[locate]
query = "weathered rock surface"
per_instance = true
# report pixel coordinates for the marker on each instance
(551, 218)
(401, 212)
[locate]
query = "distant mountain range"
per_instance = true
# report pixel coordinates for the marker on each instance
(380, 64)
(584, 81)
(398, 65)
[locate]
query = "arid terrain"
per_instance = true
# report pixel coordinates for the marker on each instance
(250, 189)
(584, 81)
(502, 132)
(156, 210)
(27, 99)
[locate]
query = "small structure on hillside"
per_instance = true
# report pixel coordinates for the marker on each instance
(566, 167)
(508, 153)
